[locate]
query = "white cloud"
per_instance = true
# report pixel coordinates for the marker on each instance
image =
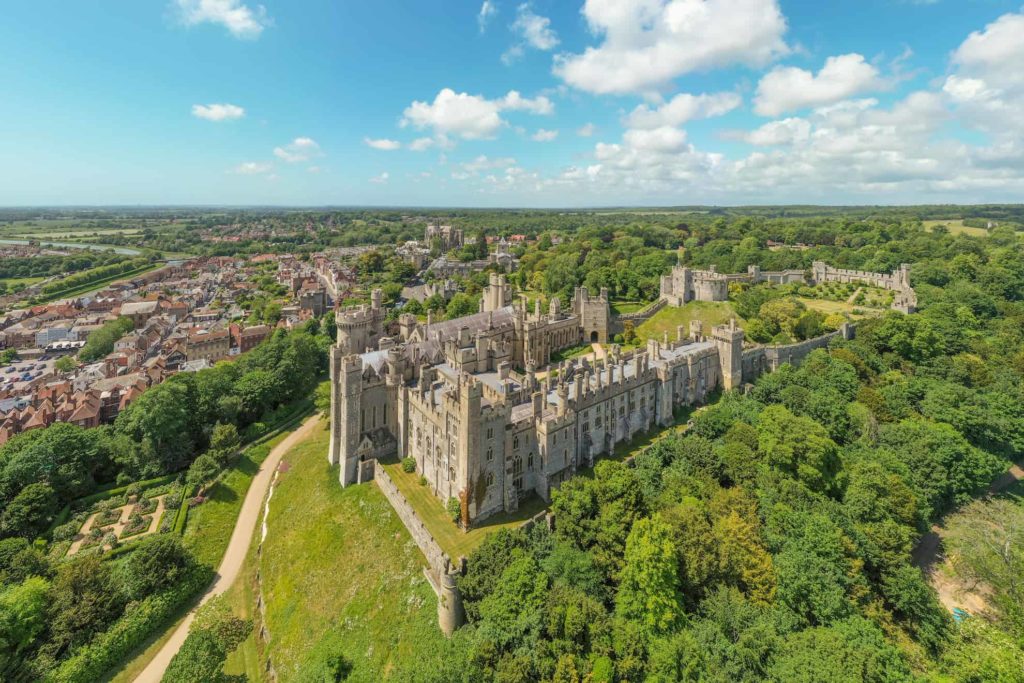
(253, 168)
(380, 179)
(682, 108)
(238, 18)
(383, 144)
(986, 86)
(586, 130)
(648, 43)
(299, 149)
(487, 11)
(788, 88)
(314, 169)
(784, 132)
(535, 29)
(217, 112)
(421, 144)
(471, 117)
(543, 135)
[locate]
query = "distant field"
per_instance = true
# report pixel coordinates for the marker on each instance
(621, 307)
(341, 575)
(710, 313)
(956, 227)
(26, 281)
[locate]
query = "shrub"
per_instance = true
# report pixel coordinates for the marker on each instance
(66, 531)
(409, 465)
(454, 508)
(423, 481)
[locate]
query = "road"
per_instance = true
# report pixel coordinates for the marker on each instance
(238, 547)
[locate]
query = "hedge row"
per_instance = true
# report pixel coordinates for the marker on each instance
(103, 494)
(111, 647)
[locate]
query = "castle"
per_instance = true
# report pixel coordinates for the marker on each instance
(685, 284)
(488, 422)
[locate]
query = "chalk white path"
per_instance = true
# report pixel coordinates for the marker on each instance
(237, 549)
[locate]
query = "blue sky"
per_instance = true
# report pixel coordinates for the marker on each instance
(568, 103)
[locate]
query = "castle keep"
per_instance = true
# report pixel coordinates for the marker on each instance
(488, 421)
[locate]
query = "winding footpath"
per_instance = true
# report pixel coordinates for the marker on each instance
(237, 549)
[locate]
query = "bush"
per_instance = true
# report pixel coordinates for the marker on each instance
(454, 508)
(66, 531)
(409, 465)
(423, 481)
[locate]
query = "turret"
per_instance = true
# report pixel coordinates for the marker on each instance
(729, 340)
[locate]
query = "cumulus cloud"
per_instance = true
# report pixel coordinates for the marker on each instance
(383, 144)
(253, 168)
(299, 149)
(238, 18)
(682, 108)
(471, 117)
(380, 179)
(586, 130)
(544, 135)
(788, 88)
(421, 144)
(487, 11)
(784, 132)
(217, 112)
(648, 43)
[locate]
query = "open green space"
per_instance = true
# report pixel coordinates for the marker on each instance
(956, 227)
(829, 307)
(621, 307)
(341, 575)
(668, 319)
(13, 282)
(454, 541)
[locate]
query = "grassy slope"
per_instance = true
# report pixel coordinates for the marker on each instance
(956, 227)
(341, 574)
(667, 319)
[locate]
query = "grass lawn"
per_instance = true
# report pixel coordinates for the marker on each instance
(341, 574)
(23, 281)
(710, 313)
(956, 227)
(829, 307)
(621, 307)
(572, 352)
(453, 540)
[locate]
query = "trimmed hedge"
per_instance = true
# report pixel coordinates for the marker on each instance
(103, 494)
(110, 648)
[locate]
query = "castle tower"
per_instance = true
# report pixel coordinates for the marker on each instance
(497, 294)
(449, 604)
(468, 448)
(346, 392)
(729, 341)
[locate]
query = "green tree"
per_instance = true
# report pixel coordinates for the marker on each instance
(649, 591)
(156, 563)
(22, 621)
(29, 512)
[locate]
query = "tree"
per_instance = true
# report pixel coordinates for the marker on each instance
(85, 598)
(460, 305)
(156, 563)
(162, 419)
(798, 446)
(65, 364)
(22, 621)
(649, 591)
(515, 608)
(29, 512)
(202, 471)
(854, 649)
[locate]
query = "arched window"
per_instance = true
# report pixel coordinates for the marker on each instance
(529, 462)
(490, 454)
(490, 479)
(515, 442)
(451, 474)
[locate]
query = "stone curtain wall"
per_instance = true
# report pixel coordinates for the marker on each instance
(794, 353)
(436, 557)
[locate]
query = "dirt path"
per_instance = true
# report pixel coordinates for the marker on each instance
(238, 546)
(853, 296)
(954, 593)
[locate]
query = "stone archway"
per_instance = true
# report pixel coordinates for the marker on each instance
(593, 337)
